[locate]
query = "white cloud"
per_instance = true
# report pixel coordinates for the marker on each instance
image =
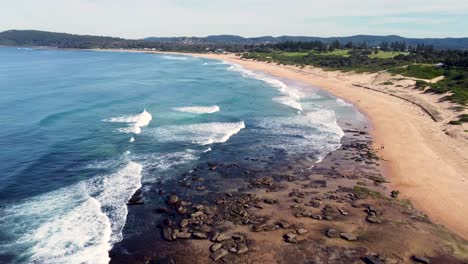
(140, 18)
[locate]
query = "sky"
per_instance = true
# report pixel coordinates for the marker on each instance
(161, 18)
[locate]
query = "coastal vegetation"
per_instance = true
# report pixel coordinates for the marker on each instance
(421, 62)
(423, 59)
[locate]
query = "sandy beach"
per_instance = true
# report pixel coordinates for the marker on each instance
(425, 164)
(294, 209)
(426, 159)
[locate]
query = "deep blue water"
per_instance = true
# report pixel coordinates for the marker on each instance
(81, 131)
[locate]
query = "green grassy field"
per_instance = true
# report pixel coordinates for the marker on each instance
(419, 71)
(387, 54)
(344, 53)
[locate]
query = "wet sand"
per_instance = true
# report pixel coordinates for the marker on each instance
(427, 161)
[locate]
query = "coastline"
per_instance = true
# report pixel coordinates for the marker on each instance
(254, 208)
(425, 164)
(425, 161)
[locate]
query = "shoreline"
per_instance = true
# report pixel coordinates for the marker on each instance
(413, 164)
(422, 162)
(262, 212)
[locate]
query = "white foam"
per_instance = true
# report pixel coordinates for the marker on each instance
(289, 101)
(166, 161)
(75, 224)
(343, 103)
(135, 122)
(132, 139)
(291, 96)
(315, 131)
(170, 57)
(198, 109)
(202, 134)
(207, 150)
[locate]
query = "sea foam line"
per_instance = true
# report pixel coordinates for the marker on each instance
(291, 96)
(198, 109)
(201, 134)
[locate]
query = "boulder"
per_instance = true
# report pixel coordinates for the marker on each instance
(218, 254)
(167, 233)
(333, 233)
(200, 235)
(348, 236)
(421, 259)
(372, 260)
(242, 248)
(184, 235)
(221, 237)
(301, 231)
(290, 238)
(173, 199)
(214, 247)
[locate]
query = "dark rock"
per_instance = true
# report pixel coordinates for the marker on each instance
(215, 235)
(242, 248)
(184, 223)
(162, 210)
(290, 238)
(270, 201)
(284, 224)
(348, 236)
(223, 236)
(167, 233)
(259, 227)
(199, 235)
(238, 237)
(317, 217)
(181, 210)
(184, 235)
(228, 243)
(218, 254)
(301, 231)
(230, 258)
(421, 259)
(135, 200)
(173, 199)
(373, 219)
(214, 247)
(333, 233)
(372, 260)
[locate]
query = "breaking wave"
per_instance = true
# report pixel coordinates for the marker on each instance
(174, 57)
(291, 96)
(198, 109)
(343, 102)
(202, 134)
(75, 224)
(135, 122)
(315, 131)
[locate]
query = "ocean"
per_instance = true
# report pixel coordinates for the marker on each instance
(82, 131)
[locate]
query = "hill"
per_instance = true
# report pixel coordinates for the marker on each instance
(64, 40)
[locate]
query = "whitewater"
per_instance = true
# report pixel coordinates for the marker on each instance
(94, 135)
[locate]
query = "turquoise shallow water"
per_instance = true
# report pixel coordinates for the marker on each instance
(83, 130)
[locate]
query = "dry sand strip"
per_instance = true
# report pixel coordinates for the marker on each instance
(423, 163)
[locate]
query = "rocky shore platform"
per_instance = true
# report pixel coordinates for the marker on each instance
(339, 210)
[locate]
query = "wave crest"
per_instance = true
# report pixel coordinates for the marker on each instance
(202, 134)
(74, 224)
(198, 109)
(135, 122)
(291, 96)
